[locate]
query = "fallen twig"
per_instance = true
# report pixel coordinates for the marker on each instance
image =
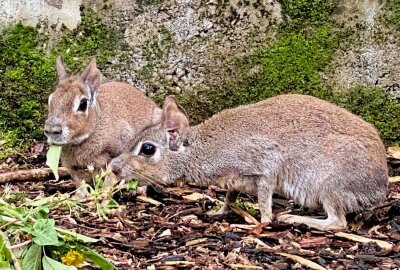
(382, 244)
(249, 218)
(31, 175)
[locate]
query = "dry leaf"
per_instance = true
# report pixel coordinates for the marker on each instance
(382, 244)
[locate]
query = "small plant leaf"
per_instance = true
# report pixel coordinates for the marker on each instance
(132, 185)
(44, 232)
(5, 254)
(97, 259)
(50, 264)
(32, 259)
(53, 159)
(76, 236)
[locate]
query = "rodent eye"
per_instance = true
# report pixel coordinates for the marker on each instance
(83, 105)
(147, 149)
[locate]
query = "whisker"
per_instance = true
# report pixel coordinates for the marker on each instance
(150, 179)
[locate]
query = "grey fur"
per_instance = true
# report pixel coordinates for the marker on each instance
(301, 147)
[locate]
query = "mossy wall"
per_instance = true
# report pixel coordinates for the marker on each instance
(27, 74)
(295, 63)
(294, 58)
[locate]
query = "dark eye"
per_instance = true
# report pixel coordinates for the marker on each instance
(148, 149)
(83, 105)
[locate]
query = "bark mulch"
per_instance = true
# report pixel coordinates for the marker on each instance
(178, 234)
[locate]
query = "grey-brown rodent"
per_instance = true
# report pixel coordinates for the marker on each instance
(299, 146)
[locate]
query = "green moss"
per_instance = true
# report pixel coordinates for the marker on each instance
(293, 63)
(155, 51)
(305, 12)
(392, 13)
(27, 74)
(376, 107)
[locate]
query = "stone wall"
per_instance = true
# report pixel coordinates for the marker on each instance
(178, 45)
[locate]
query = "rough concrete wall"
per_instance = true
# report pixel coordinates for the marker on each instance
(183, 44)
(170, 44)
(368, 60)
(49, 12)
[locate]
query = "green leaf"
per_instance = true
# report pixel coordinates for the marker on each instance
(97, 259)
(41, 201)
(77, 236)
(50, 264)
(132, 185)
(53, 158)
(5, 254)
(44, 232)
(32, 259)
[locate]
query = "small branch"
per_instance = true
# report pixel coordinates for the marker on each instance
(31, 175)
(20, 245)
(17, 266)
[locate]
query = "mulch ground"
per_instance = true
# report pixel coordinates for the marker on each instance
(178, 234)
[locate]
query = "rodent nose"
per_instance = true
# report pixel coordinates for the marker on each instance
(52, 130)
(52, 127)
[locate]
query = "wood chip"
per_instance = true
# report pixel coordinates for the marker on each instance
(181, 263)
(167, 232)
(242, 226)
(195, 197)
(314, 241)
(382, 244)
(394, 179)
(148, 200)
(244, 266)
(196, 241)
(247, 217)
(394, 152)
(302, 261)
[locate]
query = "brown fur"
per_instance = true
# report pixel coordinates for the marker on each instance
(116, 113)
(299, 146)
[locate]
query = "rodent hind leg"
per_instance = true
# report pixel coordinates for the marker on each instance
(264, 194)
(336, 219)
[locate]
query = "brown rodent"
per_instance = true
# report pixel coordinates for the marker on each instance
(94, 122)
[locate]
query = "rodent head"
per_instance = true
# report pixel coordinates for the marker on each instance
(73, 106)
(159, 152)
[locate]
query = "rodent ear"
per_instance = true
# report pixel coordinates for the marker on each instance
(156, 116)
(62, 74)
(91, 77)
(174, 122)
